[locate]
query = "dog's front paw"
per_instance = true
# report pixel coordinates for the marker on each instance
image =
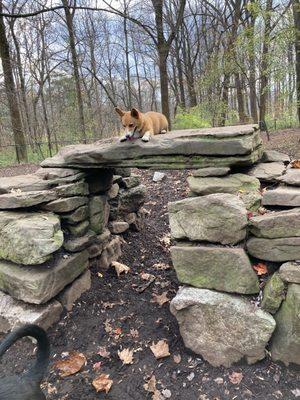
(146, 137)
(123, 139)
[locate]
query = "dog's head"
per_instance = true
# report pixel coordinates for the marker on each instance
(131, 121)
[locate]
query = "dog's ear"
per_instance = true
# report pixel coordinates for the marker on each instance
(119, 111)
(135, 113)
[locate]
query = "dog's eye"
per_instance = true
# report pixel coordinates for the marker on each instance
(130, 125)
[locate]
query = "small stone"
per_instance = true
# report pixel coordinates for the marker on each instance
(282, 249)
(14, 313)
(76, 244)
(282, 196)
(113, 191)
(204, 172)
(158, 176)
(273, 294)
(79, 215)
(275, 156)
(291, 177)
(131, 181)
(117, 227)
(66, 204)
(17, 199)
(75, 290)
(130, 218)
(79, 229)
(267, 171)
(290, 272)
(166, 393)
(72, 189)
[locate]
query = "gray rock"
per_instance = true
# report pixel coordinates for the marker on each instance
(99, 213)
(267, 171)
(76, 244)
(252, 200)
(113, 191)
(24, 183)
(79, 229)
(217, 218)
(59, 173)
(79, 215)
(132, 199)
(29, 238)
(273, 294)
(276, 224)
(291, 177)
(112, 251)
(290, 272)
(65, 205)
(158, 176)
(117, 227)
(79, 188)
(282, 249)
(222, 328)
(274, 156)
(14, 313)
(282, 196)
(97, 204)
(75, 290)
(123, 172)
(131, 181)
(25, 199)
(285, 343)
(220, 268)
(130, 218)
(100, 180)
(99, 243)
(204, 172)
(39, 285)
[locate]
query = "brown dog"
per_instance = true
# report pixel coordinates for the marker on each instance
(142, 125)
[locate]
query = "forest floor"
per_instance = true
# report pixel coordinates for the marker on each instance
(124, 313)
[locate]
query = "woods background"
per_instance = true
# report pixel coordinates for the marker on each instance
(66, 64)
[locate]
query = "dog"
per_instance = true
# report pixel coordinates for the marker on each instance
(142, 125)
(27, 385)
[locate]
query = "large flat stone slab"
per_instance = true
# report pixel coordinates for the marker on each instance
(275, 156)
(222, 328)
(65, 205)
(218, 218)
(79, 188)
(284, 196)
(267, 172)
(276, 224)
(18, 199)
(29, 238)
(40, 284)
(220, 268)
(25, 183)
(291, 177)
(283, 249)
(195, 148)
(204, 172)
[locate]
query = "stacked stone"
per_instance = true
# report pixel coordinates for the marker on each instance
(219, 235)
(51, 224)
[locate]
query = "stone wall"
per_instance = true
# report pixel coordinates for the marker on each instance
(52, 223)
(232, 221)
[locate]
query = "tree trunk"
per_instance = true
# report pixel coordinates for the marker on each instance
(225, 98)
(180, 75)
(19, 137)
(164, 84)
(252, 74)
(127, 57)
(296, 12)
(240, 98)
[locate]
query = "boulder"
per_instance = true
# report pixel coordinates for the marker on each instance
(282, 249)
(285, 345)
(79, 215)
(276, 224)
(24, 183)
(113, 191)
(220, 327)
(218, 218)
(212, 171)
(79, 229)
(291, 177)
(18, 199)
(220, 268)
(275, 156)
(290, 272)
(65, 205)
(40, 284)
(79, 188)
(14, 313)
(273, 294)
(97, 204)
(117, 227)
(267, 172)
(131, 181)
(75, 244)
(75, 290)
(99, 213)
(132, 199)
(282, 196)
(29, 238)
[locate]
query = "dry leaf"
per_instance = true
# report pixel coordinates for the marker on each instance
(236, 378)
(118, 331)
(260, 268)
(150, 386)
(102, 383)
(295, 164)
(103, 352)
(147, 277)
(160, 298)
(70, 365)
(160, 349)
(126, 356)
(107, 326)
(120, 268)
(161, 266)
(177, 358)
(97, 365)
(134, 333)
(166, 241)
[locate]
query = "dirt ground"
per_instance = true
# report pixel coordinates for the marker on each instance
(123, 313)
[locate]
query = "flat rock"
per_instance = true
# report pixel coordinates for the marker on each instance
(275, 156)
(132, 199)
(218, 218)
(79, 188)
(220, 327)
(285, 343)
(19, 199)
(58, 173)
(67, 204)
(76, 244)
(283, 249)
(117, 227)
(79, 215)
(204, 172)
(276, 224)
(24, 183)
(284, 196)
(220, 268)
(79, 229)
(14, 313)
(273, 294)
(29, 238)
(291, 177)
(99, 210)
(290, 272)
(38, 285)
(267, 171)
(75, 290)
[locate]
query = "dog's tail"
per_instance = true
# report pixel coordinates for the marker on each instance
(37, 372)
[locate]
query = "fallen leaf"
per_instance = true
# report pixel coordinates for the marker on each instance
(177, 358)
(134, 333)
(296, 392)
(161, 266)
(118, 331)
(126, 356)
(107, 326)
(166, 241)
(295, 164)
(103, 352)
(120, 268)
(260, 268)
(97, 365)
(160, 299)
(160, 349)
(150, 387)
(219, 381)
(102, 383)
(236, 378)
(70, 365)
(147, 277)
